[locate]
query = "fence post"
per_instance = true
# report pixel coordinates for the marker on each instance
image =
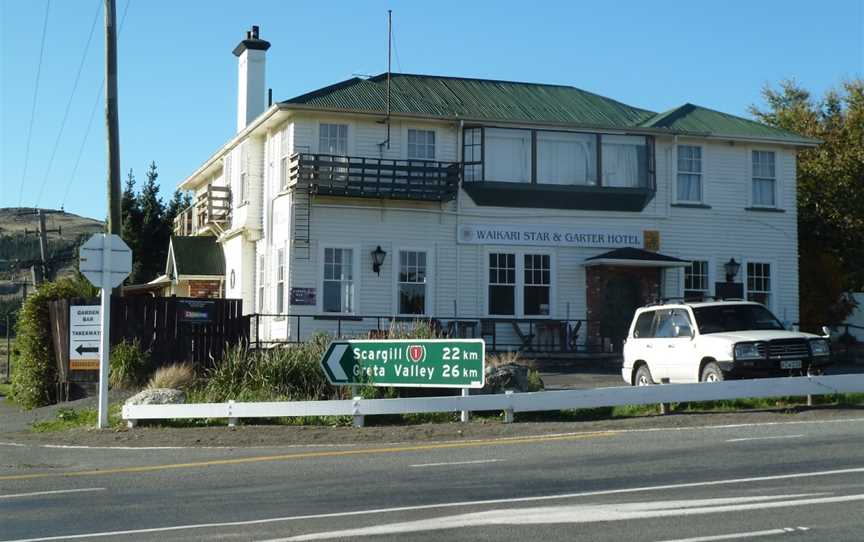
(358, 418)
(466, 414)
(232, 421)
(508, 412)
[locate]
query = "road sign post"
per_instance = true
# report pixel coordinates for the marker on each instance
(434, 363)
(106, 261)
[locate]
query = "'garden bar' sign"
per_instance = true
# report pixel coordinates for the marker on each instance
(547, 235)
(433, 363)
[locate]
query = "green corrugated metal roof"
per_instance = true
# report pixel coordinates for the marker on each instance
(691, 118)
(476, 99)
(483, 99)
(197, 256)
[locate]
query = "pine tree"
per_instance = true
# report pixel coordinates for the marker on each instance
(154, 232)
(132, 219)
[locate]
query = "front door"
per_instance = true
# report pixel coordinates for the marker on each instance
(621, 297)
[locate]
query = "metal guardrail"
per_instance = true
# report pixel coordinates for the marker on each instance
(509, 402)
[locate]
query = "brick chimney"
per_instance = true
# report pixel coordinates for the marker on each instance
(251, 85)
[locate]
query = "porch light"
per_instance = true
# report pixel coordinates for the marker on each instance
(731, 268)
(378, 256)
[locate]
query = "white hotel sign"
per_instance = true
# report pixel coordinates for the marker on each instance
(547, 236)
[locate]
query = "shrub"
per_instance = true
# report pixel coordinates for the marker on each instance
(35, 375)
(177, 376)
(129, 365)
(507, 358)
(283, 373)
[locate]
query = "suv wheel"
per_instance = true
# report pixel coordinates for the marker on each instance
(711, 373)
(643, 376)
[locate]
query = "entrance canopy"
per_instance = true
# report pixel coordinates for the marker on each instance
(634, 257)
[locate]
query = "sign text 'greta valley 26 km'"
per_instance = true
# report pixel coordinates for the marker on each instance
(434, 363)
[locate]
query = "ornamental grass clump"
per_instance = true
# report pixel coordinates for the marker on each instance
(179, 376)
(130, 365)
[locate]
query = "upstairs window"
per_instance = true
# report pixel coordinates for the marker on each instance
(472, 154)
(412, 282)
(508, 155)
(566, 158)
(764, 179)
(421, 144)
(696, 281)
(244, 184)
(689, 174)
(333, 139)
(283, 160)
(625, 161)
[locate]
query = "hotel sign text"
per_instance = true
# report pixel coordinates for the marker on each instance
(547, 236)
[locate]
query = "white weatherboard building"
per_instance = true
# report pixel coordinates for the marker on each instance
(537, 216)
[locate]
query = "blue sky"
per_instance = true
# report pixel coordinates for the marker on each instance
(177, 76)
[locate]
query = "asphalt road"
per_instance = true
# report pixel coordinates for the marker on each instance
(783, 481)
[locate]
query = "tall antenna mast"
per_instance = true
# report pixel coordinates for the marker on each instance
(389, 48)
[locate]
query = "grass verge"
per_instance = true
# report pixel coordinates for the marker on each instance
(76, 418)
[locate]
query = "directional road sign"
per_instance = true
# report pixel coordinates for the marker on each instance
(438, 363)
(101, 270)
(84, 337)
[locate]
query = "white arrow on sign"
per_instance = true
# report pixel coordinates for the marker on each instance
(102, 271)
(332, 362)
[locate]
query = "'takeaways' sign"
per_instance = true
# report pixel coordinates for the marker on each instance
(547, 236)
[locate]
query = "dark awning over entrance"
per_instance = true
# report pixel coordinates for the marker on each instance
(634, 257)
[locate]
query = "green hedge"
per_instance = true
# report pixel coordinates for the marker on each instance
(34, 377)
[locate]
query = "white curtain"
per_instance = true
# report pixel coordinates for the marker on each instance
(621, 160)
(763, 192)
(566, 158)
(689, 187)
(508, 155)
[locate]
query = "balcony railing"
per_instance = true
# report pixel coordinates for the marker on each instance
(211, 209)
(362, 177)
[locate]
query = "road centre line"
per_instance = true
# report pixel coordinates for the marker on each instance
(747, 439)
(401, 443)
(733, 536)
(55, 492)
(444, 505)
(448, 464)
(308, 455)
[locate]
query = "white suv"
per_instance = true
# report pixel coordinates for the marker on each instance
(711, 341)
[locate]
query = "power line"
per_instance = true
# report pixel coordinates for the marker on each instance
(69, 103)
(396, 50)
(90, 121)
(33, 109)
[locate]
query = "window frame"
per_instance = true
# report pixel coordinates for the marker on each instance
(753, 178)
(262, 279)
(244, 173)
(700, 173)
(280, 280)
(710, 276)
(427, 130)
(519, 301)
(772, 280)
(430, 300)
(283, 158)
(355, 277)
(348, 147)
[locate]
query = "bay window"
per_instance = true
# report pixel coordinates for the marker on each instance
(472, 154)
(508, 155)
(566, 158)
(625, 161)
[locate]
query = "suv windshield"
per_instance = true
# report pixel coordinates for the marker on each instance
(720, 318)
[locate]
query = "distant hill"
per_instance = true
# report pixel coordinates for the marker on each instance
(20, 249)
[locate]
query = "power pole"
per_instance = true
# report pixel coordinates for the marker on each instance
(111, 118)
(46, 271)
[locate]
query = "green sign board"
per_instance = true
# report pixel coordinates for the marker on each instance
(434, 363)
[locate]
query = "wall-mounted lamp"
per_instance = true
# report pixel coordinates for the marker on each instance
(731, 268)
(378, 256)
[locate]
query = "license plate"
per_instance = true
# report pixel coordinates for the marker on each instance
(790, 364)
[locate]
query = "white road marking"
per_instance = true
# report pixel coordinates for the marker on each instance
(746, 439)
(477, 462)
(573, 514)
(733, 536)
(441, 505)
(55, 492)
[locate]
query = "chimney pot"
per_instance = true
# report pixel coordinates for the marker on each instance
(248, 35)
(255, 32)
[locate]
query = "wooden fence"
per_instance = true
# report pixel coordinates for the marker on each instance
(173, 329)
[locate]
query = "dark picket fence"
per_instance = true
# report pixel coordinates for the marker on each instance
(173, 329)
